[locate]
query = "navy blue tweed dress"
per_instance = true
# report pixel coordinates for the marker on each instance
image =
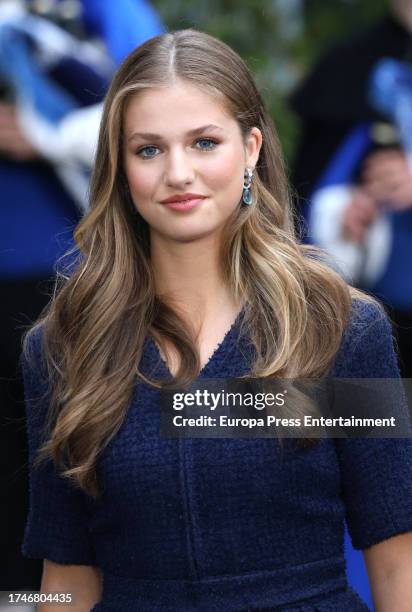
(224, 524)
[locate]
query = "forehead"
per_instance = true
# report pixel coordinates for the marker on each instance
(182, 106)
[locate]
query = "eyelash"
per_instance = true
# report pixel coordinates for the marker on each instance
(154, 147)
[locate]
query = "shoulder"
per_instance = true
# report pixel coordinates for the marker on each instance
(367, 347)
(365, 316)
(33, 361)
(32, 355)
(33, 342)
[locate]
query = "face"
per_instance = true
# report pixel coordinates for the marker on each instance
(177, 141)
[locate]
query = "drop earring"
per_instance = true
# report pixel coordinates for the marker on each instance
(247, 198)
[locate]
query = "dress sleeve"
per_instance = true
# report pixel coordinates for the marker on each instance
(57, 523)
(376, 474)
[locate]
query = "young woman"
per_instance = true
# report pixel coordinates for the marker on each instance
(188, 268)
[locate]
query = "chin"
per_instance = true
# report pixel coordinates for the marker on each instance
(186, 235)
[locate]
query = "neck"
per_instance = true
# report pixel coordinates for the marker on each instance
(189, 274)
(402, 11)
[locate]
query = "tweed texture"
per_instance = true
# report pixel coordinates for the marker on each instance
(224, 524)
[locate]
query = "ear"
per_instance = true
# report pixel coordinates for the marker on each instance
(252, 147)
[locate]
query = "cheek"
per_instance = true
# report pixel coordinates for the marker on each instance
(224, 172)
(141, 180)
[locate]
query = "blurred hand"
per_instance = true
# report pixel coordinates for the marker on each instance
(13, 143)
(358, 215)
(386, 177)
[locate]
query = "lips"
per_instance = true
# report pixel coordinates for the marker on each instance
(184, 197)
(184, 205)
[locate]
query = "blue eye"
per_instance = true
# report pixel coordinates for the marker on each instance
(145, 149)
(210, 141)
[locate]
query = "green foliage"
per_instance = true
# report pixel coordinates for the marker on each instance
(257, 31)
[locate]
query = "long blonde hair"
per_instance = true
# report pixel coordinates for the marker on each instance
(95, 325)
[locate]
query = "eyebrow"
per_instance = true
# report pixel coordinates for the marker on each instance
(195, 132)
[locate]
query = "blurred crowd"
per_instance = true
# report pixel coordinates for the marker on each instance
(353, 169)
(352, 174)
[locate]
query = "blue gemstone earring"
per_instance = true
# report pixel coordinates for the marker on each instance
(247, 194)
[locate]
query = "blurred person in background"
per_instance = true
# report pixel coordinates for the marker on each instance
(54, 71)
(354, 176)
(353, 169)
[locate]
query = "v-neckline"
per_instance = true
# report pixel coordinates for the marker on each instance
(216, 351)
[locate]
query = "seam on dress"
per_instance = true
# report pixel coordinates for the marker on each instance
(187, 510)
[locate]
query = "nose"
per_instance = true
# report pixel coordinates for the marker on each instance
(179, 170)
